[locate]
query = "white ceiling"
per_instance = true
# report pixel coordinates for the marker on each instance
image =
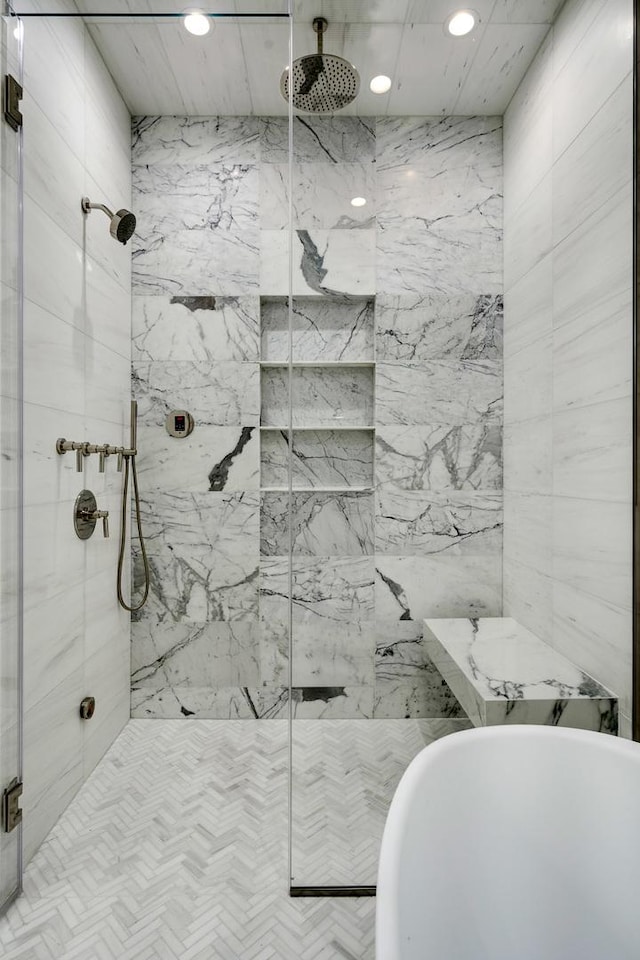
(235, 69)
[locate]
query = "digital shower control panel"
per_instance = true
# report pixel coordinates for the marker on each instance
(179, 423)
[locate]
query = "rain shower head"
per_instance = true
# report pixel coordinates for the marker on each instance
(322, 83)
(123, 222)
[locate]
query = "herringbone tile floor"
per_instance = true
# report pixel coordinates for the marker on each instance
(176, 847)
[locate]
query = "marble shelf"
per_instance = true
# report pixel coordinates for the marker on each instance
(502, 673)
(343, 489)
(318, 363)
(318, 426)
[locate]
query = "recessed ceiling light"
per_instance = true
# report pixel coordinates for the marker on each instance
(196, 23)
(460, 23)
(380, 84)
(358, 202)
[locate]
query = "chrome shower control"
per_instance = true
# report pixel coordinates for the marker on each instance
(86, 515)
(179, 423)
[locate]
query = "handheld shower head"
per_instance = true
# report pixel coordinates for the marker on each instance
(123, 222)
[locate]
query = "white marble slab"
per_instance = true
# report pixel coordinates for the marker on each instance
(322, 524)
(321, 329)
(438, 391)
(225, 393)
(323, 590)
(414, 328)
(421, 523)
(211, 458)
(441, 457)
(503, 673)
(322, 195)
(171, 140)
(322, 396)
(412, 588)
(326, 262)
(203, 328)
(318, 139)
(320, 458)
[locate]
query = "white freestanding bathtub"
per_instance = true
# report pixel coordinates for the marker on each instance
(513, 843)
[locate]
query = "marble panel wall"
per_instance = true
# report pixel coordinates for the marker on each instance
(77, 343)
(569, 343)
(397, 444)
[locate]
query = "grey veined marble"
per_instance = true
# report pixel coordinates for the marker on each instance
(414, 328)
(324, 589)
(441, 457)
(195, 140)
(322, 396)
(319, 139)
(323, 524)
(321, 329)
(438, 391)
(226, 393)
(320, 458)
(196, 328)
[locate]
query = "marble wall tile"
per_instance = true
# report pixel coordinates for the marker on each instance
(412, 588)
(211, 458)
(446, 258)
(322, 329)
(185, 246)
(207, 328)
(440, 143)
(418, 523)
(335, 703)
(322, 195)
(529, 382)
(407, 683)
(225, 393)
(200, 526)
(319, 139)
(528, 232)
(528, 455)
(466, 194)
(323, 524)
(441, 391)
(591, 359)
(174, 140)
(341, 655)
(321, 396)
(207, 703)
(186, 591)
(414, 328)
(592, 456)
(528, 596)
(441, 457)
(528, 304)
(321, 458)
(326, 262)
(205, 654)
(324, 589)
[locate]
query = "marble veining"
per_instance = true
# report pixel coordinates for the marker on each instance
(439, 457)
(199, 140)
(495, 662)
(322, 329)
(322, 196)
(323, 524)
(321, 396)
(325, 589)
(225, 393)
(418, 523)
(320, 458)
(439, 143)
(327, 263)
(210, 459)
(414, 328)
(319, 139)
(442, 391)
(446, 585)
(196, 328)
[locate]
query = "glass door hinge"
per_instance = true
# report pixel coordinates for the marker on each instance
(11, 812)
(12, 97)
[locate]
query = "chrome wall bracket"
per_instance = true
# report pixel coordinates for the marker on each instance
(11, 812)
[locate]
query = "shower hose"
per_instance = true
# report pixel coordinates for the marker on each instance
(123, 536)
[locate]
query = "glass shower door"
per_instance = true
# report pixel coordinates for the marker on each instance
(10, 469)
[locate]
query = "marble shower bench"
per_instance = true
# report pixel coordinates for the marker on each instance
(502, 673)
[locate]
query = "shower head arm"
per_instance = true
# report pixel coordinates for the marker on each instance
(87, 206)
(320, 25)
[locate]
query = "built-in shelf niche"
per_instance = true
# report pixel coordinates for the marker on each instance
(323, 329)
(332, 371)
